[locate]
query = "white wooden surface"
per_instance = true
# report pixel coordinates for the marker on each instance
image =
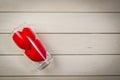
(60, 5)
(82, 35)
(63, 65)
(69, 44)
(62, 22)
(59, 78)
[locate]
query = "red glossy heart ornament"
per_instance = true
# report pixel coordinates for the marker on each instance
(20, 41)
(37, 52)
(26, 40)
(27, 32)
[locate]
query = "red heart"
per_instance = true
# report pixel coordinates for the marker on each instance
(27, 32)
(37, 51)
(33, 47)
(20, 41)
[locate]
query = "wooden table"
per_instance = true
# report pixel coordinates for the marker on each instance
(82, 35)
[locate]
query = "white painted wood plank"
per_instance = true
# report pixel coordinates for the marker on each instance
(60, 5)
(68, 44)
(63, 65)
(62, 22)
(59, 78)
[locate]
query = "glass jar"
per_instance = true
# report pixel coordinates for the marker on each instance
(33, 48)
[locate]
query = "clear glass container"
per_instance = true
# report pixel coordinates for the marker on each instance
(26, 39)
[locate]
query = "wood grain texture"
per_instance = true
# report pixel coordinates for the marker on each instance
(62, 22)
(83, 35)
(68, 44)
(62, 65)
(59, 78)
(60, 5)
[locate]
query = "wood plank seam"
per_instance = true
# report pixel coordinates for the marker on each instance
(69, 33)
(61, 54)
(57, 12)
(60, 76)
